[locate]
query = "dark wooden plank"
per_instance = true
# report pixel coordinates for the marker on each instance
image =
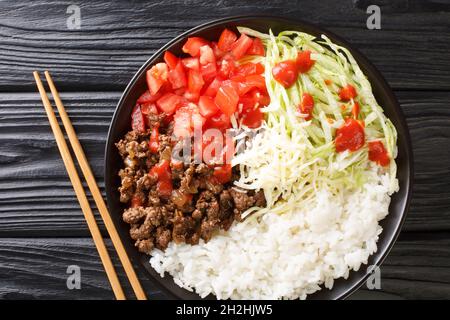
(412, 49)
(36, 269)
(36, 197)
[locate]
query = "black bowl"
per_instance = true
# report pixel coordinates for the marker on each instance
(121, 124)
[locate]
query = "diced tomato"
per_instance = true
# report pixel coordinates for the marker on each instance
(191, 63)
(253, 118)
(207, 55)
(226, 40)
(227, 98)
(148, 109)
(241, 86)
(307, 105)
(147, 97)
(193, 45)
(217, 52)
(257, 48)
(247, 69)
(157, 77)
(378, 153)
(137, 119)
(304, 62)
(191, 96)
(208, 72)
(285, 72)
(350, 136)
(169, 102)
(240, 47)
(219, 121)
(207, 106)
(195, 81)
(348, 92)
(154, 139)
(213, 87)
(256, 81)
(170, 59)
(162, 171)
(222, 173)
(328, 82)
(355, 110)
(136, 201)
(226, 66)
(186, 119)
(177, 76)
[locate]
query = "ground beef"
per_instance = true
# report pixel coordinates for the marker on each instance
(198, 207)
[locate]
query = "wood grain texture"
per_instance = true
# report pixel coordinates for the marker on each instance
(412, 49)
(36, 198)
(36, 269)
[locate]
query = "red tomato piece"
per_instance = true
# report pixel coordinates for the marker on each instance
(240, 47)
(257, 48)
(227, 98)
(147, 109)
(222, 173)
(154, 139)
(355, 110)
(191, 63)
(219, 121)
(157, 77)
(207, 55)
(378, 153)
(347, 93)
(226, 40)
(307, 105)
(177, 76)
(256, 81)
(217, 52)
(247, 69)
(253, 118)
(193, 45)
(170, 59)
(285, 72)
(162, 171)
(137, 119)
(226, 66)
(304, 62)
(165, 188)
(350, 136)
(213, 87)
(208, 72)
(195, 81)
(191, 96)
(186, 119)
(148, 97)
(169, 102)
(207, 106)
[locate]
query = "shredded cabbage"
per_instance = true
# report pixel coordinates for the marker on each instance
(290, 159)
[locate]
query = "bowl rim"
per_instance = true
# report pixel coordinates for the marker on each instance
(359, 57)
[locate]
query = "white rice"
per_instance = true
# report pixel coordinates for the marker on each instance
(287, 256)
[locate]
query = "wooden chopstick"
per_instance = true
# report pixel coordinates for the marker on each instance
(87, 172)
(79, 191)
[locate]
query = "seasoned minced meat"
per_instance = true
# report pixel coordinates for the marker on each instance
(198, 207)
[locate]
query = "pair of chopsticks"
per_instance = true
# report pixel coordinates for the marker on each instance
(81, 195)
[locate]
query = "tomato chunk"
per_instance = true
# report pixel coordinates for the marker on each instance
(193, 45)
(186, 119)
(226, 40)
(350, 136)
(169, 102)
(256, 81)
(207, 55)
(147, 109)
(226, 66)
(285, 72)
(213, 87)
(219, 121)
(304, 62)
(170, 59)
(195, 81)
(137, 119)
(247, 69)
(154, 139)
(355, 110)
(148, 97)
(257, 48)
(177, 76)
(307, 105)
(207, 106)
(163, 172)
(347, 93)
(378, 153)
(253, 118)
(227, 98)
(157, 77)
(191, 63)
(208, 71)
(240, 47)
(223, 173)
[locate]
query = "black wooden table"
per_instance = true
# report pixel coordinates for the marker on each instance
(42, 230)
